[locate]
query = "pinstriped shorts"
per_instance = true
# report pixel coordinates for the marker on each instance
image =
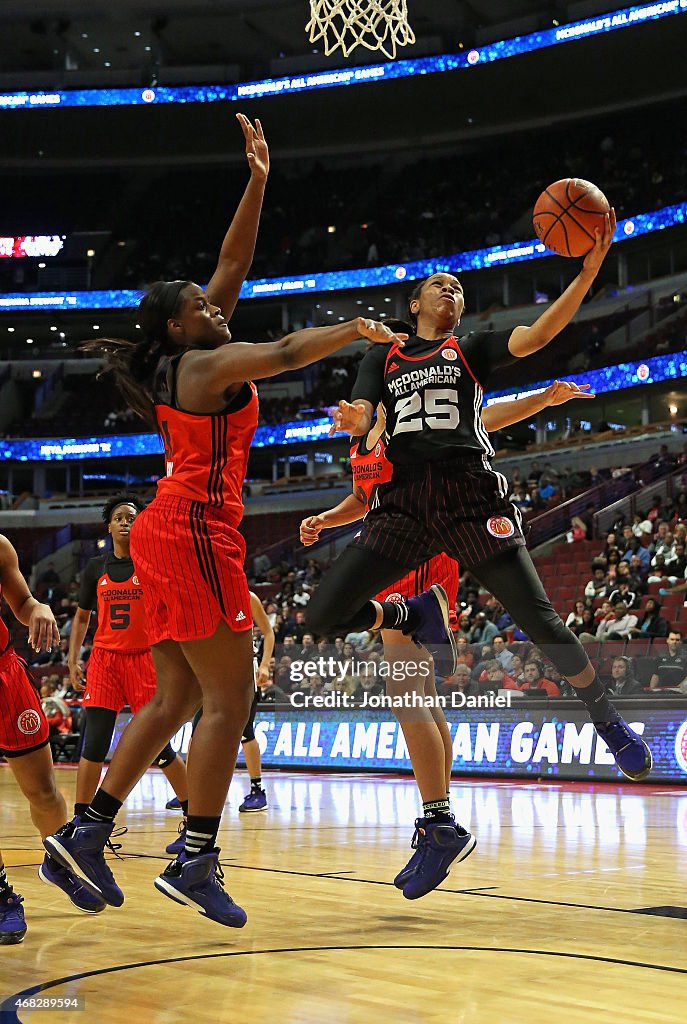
(457, 506)
(116, 678)
(190, 563)
(23, 725)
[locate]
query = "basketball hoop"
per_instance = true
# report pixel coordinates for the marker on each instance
(375, 24)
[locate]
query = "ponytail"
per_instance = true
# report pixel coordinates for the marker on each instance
(129, 366)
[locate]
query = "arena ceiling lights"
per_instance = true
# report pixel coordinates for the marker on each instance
(627, 17)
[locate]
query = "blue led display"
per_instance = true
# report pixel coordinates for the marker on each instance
(611, 378)
(608, 378)
(67, 448)
(625, 18)
(552, 743)
(341, 280)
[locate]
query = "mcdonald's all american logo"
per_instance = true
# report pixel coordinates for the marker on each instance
(395, 598)
(681, 746)
(500, 527)
(449, 353)
(378, 449)
(134, 580)
(29, 722)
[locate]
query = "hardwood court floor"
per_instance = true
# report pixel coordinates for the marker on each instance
(540, 924)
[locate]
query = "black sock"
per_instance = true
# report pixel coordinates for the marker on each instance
(201, 834)
(438, 810)
(184, 807)
(397, 615)
(256, 783)
(596, 701)
(5, 887)
(103, 808)
(80, 810)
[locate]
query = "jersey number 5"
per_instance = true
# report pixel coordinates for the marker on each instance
(440, 411)
(120, 616)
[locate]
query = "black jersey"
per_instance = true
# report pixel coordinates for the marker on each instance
(432, 393)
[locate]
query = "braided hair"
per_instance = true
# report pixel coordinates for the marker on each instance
(132, 364)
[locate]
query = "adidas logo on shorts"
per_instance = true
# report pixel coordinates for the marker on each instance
(240, 617)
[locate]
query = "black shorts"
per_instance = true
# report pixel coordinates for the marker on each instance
(457, 506)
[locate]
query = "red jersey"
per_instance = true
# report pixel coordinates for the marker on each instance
(111, 585)
(4, 632)
(206, 455)
(370, 469)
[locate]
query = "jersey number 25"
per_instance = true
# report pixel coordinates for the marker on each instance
(440, 411)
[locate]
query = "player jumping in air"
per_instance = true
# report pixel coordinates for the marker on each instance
(445, 496)
(425, 729)
(186, 377)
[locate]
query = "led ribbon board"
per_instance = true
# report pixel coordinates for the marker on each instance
(624, 18)
(550, 743)
(32, 246)
(608, 378)
(341, 280)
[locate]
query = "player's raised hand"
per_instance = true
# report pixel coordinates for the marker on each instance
(310, 530)
(561, 391)
(257, 152)
(350, 418)
(43, 631)
(596, 255)
(379, 333)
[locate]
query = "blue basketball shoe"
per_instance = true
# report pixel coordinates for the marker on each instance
(198, 882)
(12, 923)
(79, 846)
(437, 844)
(434, 632)
(178, 844)
(174, 804)
(404, 874)
(631, 753)
(53, 873)
(255, 801)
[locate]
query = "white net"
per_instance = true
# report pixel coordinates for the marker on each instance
(345, 24)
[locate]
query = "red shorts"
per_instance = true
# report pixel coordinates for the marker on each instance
(116, 678)
(23, 726)
(190, 563)
(441, 569)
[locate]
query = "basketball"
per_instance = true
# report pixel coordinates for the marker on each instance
(567, 214)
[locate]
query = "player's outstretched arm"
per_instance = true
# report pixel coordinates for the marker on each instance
(504, 414)
(350, 510)
(238, 247)
(43, 631)
(212, 372)
(524, 341)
